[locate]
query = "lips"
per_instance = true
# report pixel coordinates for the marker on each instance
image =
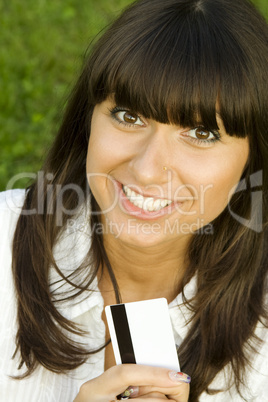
(147, 204)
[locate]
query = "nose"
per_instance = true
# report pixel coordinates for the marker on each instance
(153, 160)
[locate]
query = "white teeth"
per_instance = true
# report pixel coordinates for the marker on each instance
(139, 204)
(163, 203)
(157, 205)
(146, 203)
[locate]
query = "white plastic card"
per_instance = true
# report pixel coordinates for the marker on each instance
(141, 332)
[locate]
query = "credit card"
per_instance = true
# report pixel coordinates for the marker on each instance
(141, 333)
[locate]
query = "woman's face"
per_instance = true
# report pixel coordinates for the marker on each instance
(157, 182)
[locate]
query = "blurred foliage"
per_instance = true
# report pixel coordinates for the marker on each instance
(42, 48)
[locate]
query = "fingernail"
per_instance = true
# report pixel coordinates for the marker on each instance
(130, 392)
(179, 377)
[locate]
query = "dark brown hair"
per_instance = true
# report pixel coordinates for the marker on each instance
(171, 61)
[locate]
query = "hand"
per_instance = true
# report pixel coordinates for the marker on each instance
(152, 396)
(150, 383)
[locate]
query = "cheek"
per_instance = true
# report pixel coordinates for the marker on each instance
(97, 151)
(219, 186)
(105, 150)
(98, 167)
(217, 190)
(215, 179)
(96, 173)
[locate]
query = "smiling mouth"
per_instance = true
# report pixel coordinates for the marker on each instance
(148, 204)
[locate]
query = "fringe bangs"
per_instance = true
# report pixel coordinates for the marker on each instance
(181, 69)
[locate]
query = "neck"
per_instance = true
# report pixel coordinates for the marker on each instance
(144, 273)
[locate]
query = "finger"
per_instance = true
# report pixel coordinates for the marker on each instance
(120, 377)
(149, 398)
(115, 380)
(180, 393)
(182, 387)
(153, 395)
(149, 389)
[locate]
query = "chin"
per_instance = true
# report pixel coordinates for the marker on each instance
(141, 240)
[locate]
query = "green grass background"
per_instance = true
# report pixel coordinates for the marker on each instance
(42, 43)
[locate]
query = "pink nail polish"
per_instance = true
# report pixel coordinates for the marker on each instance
(179, 377)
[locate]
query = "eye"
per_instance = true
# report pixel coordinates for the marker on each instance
(201, 135)
(129, 117)
(126, 117)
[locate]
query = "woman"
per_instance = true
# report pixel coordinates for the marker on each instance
(156, 186)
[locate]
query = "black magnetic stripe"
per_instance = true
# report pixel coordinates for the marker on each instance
(122, 331)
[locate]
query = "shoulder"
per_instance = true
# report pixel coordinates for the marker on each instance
(11, 202)
(258, 373)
